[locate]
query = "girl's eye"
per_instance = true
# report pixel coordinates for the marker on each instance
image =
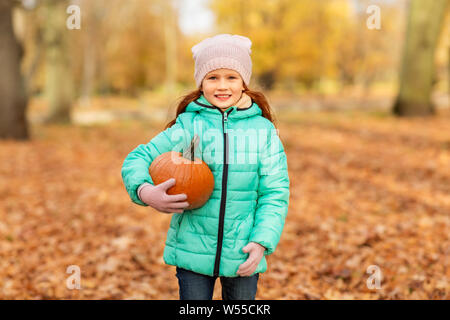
(230, 77)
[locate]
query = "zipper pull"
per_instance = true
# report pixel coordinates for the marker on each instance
(225, 117)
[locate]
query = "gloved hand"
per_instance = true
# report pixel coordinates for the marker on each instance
(157, 197)
(255, 253)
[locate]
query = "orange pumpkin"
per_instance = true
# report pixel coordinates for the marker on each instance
(193, 178)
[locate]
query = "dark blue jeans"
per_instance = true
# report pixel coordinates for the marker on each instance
(195, 286)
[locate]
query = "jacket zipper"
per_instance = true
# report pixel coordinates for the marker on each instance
(224, 194)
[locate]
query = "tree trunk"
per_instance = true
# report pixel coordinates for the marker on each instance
(93, 15)
(58, 85)
(89, 68)
(417, 73)
(13, 97)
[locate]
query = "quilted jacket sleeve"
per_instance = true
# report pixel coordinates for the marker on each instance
(273, 194)
(136, 164)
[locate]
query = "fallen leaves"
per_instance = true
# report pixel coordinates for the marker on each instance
(364, 192)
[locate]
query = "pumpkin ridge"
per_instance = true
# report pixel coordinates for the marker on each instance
(178, 169)
(158, 164)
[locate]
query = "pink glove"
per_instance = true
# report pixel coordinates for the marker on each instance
(157, 197)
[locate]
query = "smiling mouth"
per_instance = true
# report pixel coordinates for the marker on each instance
(222, 97)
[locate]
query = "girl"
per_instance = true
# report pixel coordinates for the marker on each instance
(241, 223)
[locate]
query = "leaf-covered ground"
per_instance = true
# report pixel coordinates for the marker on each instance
(365, 190)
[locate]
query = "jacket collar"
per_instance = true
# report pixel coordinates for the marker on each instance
(203, 105)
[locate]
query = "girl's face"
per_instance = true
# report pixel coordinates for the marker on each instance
(223, 88)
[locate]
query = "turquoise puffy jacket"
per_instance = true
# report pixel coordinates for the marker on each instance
(250, 199)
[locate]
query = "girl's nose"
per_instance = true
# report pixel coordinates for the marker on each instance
(223, 83)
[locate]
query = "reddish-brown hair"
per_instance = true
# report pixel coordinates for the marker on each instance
(257, 97)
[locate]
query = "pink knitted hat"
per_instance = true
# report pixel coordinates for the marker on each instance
(223, 51)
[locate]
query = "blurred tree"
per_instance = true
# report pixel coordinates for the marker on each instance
(93, 13)
(33, 43)
(307, 43)
(364, 56)
(262, 22)
(170, 37)
(425, 22)
(293, 40)
(133, 39)
(59, 84)
(13, 95)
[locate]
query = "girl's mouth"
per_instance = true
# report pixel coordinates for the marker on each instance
(222, 97)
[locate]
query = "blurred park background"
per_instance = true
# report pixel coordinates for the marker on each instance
(360, 92)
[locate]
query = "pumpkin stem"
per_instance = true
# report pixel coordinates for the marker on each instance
(190, 151)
